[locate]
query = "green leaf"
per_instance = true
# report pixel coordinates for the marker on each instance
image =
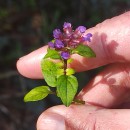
(37, 93)
(49, 70)
(84, 50)
(70, 71)
(70, 60)
(60, 64)
(53, 54)
(60, 72)
(67, 87)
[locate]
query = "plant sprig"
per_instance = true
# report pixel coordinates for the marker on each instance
(57, 74)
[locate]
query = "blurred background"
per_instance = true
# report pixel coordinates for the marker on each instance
(26, 25)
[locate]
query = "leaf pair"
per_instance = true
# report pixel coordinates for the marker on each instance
(81, 49)
(66, 85)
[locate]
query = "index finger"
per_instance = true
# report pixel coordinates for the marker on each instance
(110, 42)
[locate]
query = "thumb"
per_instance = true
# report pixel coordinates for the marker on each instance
(83, 117)
(62, 118)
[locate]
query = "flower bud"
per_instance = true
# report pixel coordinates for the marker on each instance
(81, 29)
(67, 30)
(87, 37)
(57, 33)
(65, 55)
(51, 44)
(66, 25)
(59, 44)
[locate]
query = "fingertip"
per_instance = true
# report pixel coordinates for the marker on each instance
(29, 65)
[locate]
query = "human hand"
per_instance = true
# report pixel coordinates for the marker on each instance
(109, 89)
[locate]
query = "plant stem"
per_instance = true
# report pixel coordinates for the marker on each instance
(52, 92)
(65, 66)
(77, 101)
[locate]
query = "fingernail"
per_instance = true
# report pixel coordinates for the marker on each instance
(51, 122)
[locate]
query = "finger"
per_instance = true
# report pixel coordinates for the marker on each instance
(110, 45)
(84, 117)
(110, 88)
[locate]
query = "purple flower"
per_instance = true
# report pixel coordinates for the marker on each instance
(57, 33)
(69, 38)
(51, 44)
(81, 29)
(66, 25)
(65, 55)
(87, 37)
(59, 44)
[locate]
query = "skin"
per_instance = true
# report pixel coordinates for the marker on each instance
(107, 96)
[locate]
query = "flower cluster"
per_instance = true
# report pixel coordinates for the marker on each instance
(69, 38)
